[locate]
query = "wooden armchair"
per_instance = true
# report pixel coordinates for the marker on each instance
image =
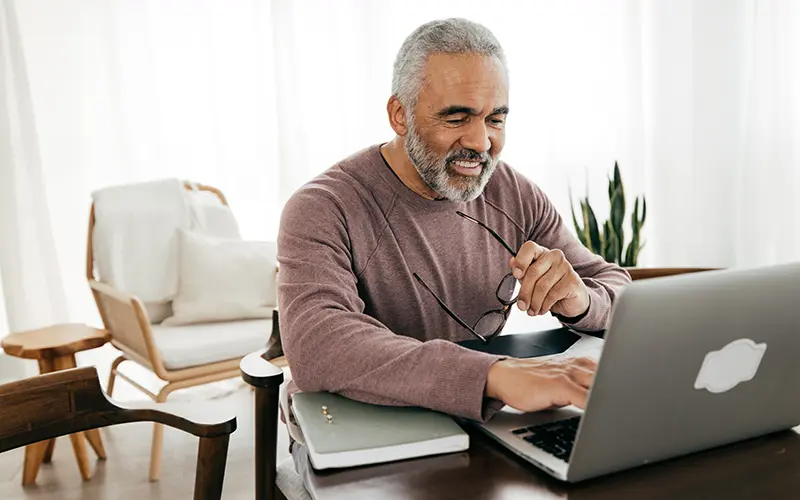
(126, 318)
(37, 409)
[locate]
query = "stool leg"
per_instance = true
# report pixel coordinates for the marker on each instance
(46, 365)
(93, 436)
(64, 362)
(42, 451)
(78, 444)
(48, 454)
(80, 454)
(33, 459)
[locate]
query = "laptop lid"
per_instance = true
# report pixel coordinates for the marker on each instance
(692, 362)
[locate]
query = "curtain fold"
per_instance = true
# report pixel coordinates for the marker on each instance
(697, 101)
(767, 228)
(32, 288)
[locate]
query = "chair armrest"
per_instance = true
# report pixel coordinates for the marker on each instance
(125, 318)
(205, 420)
(259, 372)
(75, 402)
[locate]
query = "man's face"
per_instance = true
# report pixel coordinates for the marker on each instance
(457, 129)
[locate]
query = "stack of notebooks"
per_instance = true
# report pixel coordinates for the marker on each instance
(362, 434)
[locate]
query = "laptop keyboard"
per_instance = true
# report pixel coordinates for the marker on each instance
(556, 438)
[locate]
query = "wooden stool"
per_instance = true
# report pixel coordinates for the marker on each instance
(54, 348)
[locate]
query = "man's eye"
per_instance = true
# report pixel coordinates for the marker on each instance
(497, 121)
(456, 121)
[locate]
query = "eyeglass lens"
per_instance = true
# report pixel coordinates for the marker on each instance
(489, 323)
(508, 291)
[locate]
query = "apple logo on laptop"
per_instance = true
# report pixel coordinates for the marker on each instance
(728, 367)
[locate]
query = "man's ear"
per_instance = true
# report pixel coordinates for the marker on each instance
(397, 116)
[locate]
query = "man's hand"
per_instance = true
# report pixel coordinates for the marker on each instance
(538, 384)
(548, 282)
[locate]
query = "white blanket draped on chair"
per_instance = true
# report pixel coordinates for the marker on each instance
(136, 231)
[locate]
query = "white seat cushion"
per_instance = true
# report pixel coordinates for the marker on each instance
(200, 344)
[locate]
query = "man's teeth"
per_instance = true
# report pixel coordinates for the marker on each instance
(468, 164)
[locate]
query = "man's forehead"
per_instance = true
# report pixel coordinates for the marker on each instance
(465, 79)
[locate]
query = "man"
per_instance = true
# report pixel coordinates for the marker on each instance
(387, 258)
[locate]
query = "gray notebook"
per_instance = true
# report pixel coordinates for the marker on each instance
(362, 434)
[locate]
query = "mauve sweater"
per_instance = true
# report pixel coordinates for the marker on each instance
(353, 319)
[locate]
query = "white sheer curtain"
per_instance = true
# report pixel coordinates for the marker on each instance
(767, 225)
(30, 273)
(30, 278)
(697, 100)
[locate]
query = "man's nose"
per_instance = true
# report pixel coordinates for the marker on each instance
(477, 137)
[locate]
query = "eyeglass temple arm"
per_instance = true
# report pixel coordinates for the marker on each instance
(491, 231)
(448, 311)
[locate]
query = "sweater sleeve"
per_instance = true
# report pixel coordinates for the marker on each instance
(603, 280)
(333, 346)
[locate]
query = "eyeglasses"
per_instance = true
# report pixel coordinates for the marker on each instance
(492, 322)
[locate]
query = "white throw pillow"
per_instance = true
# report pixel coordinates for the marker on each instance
(223, 279)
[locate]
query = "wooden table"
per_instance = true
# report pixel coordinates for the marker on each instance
(763, 468)
(54, 348)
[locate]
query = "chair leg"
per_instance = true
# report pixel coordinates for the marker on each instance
(156, 451)
(112, 376)
(158, 438)
(48, 454)
(93, 436)
(212, 454)
(80, 455)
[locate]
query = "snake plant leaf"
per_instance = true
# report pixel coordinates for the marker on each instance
(636, 253)
(609, 239)
(578, 228)
(585, 212)
(632, 252)
(644, 211)
(594, 234)
(626, 262)
(618, 218)
(611, 254)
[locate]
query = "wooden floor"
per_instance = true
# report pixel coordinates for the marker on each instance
(124, 475)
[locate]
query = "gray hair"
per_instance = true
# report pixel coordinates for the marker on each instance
(447, 36)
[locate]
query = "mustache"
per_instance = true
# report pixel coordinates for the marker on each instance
(468, 155)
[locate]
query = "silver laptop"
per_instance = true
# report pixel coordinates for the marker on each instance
(690, 362)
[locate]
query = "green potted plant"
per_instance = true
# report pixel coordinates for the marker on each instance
(608, 239)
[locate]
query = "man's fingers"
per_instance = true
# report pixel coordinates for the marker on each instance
(579, 396)
(529, 252)
(585, 362)
(535, 271)
(571, 393)
(558, 291)
(581, 376)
